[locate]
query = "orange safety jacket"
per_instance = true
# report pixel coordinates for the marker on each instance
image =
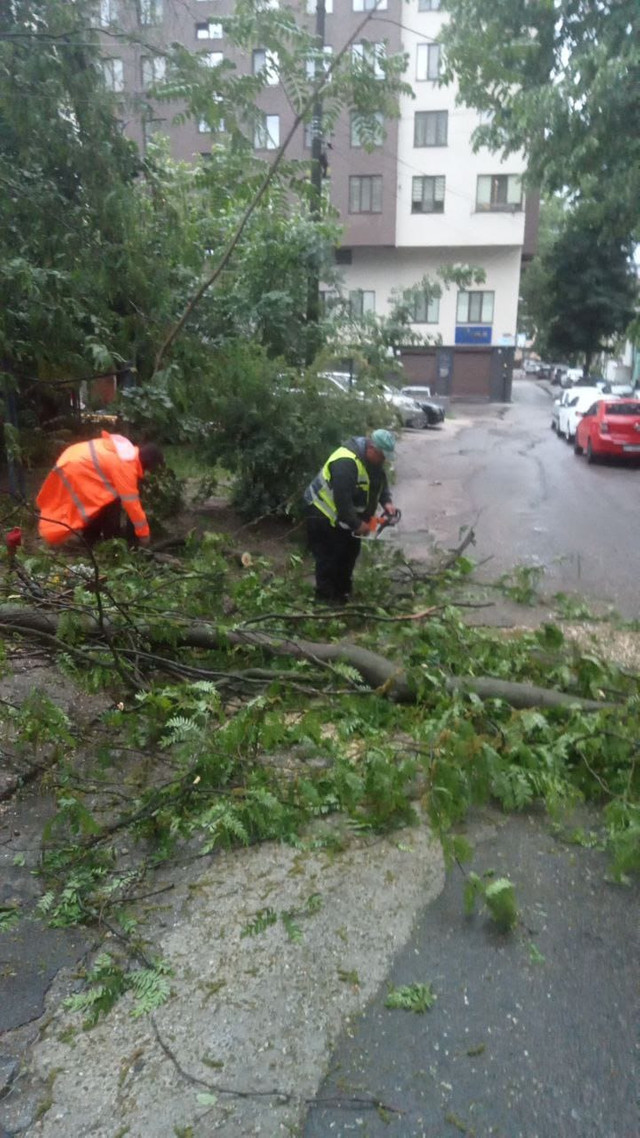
(87, 477)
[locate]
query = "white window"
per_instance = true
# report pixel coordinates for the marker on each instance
(475, 308)
(365, 193)
(150, 11)
(369, 5)
(154, 68)
(365, 132)
(113, 74)
(427, 61)
(107, 12)
(361, 301)
(327, 52)
(370, 54)
(266, 62)
(426, 309)
(209, 31)
(266, 4)
(428, 5)
(499, 192)
(430, 128)
(203, 127)
(427, 194)
(312, 7)
(212, 58)
(267, 133)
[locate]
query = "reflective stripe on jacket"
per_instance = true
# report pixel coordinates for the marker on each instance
(320, 494)
(87, 477)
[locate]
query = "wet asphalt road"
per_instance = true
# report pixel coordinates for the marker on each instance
(522, 1042)
(531, 500)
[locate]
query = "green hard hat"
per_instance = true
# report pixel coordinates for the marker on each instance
(384, 441)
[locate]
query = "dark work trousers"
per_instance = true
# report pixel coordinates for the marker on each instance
(106, 524)
(335, 551)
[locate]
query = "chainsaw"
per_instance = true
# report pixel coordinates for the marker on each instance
(383, 521)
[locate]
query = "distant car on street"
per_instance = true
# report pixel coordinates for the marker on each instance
(561, 401)
(432, 409)
(531, 367)
(571, 376)
(580, 399)
(609, 427)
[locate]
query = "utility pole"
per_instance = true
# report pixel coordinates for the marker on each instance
(313, 295)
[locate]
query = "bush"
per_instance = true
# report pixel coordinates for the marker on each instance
(271, 436)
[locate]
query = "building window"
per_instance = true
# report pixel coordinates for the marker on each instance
(154, 68)
(475, 308)
(344, 256)
(430, 128)
(371, 55)
(427, 61)
(428, 5)
(150, 11)
(312, 7)
(151, 128)
(369, 5)
(365, 193)
(327, 53)
(267, 134)
(209, 31)
(107, 12)
(329, 301)
(212, 58)
(426, 309)
(266, 63)
(427, 194)
(113, 74)
(361, 301)
(366, 133)
(499, 192)
(203, 127)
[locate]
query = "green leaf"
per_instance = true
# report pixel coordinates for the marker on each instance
(411, 998)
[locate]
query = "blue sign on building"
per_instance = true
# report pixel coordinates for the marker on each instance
(473, 334)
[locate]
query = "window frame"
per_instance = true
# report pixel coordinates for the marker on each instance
(368, 6)
(471, 294)
(212, 30)
(436, 200)
(361, 309)
(424, 117)
(269, 66)
(373, 184)
(493, 204)
(262, 132)
(429, 5)
(431, 51)
(153, 70)
(150, 12)
(108, 64)
(433, 300)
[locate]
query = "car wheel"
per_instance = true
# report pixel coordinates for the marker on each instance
(554, 426)
(591, 457)
(577, 449)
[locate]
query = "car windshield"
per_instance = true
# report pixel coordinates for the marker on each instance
(622, 409)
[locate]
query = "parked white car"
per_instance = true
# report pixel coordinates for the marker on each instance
(571, 376)
(561, 401)
(410, 412)
(579, 400)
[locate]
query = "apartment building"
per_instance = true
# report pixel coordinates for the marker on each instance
(420, 200)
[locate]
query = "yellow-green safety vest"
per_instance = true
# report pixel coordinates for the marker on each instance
(320, 494)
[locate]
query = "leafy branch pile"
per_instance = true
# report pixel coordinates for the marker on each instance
(211, 747)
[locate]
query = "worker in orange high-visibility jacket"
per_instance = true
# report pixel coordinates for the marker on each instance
(91, 481)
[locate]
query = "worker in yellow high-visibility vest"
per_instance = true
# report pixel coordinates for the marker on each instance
(340, 501)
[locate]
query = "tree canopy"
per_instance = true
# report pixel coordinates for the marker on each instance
(583, 291)
(560, 80)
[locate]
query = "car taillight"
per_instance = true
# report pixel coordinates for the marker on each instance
(604, 428)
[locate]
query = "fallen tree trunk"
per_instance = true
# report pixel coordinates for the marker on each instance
(382, 675)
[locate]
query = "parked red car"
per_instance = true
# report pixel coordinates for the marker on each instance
(609, 427)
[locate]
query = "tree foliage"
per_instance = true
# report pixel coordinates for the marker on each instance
(583, 291)
(560, 80)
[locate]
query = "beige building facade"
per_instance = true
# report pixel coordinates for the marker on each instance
(420, 200)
